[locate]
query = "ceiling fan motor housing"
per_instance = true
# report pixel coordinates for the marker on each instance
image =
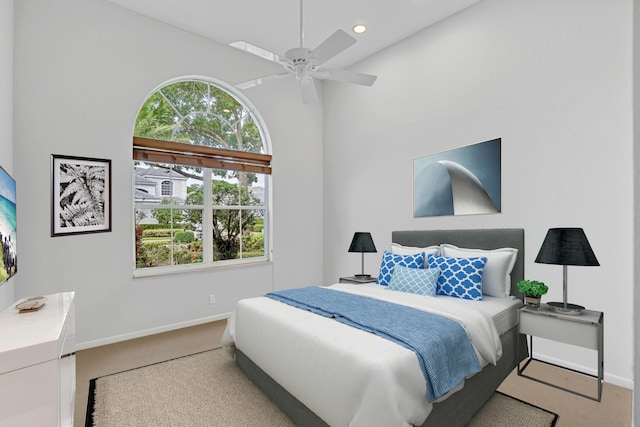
(301, 62)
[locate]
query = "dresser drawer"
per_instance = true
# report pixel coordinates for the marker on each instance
(578, 332)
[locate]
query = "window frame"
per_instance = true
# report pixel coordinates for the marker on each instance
(208, 158)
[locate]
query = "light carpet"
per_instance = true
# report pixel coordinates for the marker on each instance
(208, 389)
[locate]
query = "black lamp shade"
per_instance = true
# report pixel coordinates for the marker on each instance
(362, 242)
(566, 246)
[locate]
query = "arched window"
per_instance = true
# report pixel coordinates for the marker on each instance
(201, 160)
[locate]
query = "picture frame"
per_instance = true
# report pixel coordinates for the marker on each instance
(461, 181)
(80, 195)
(8, 226)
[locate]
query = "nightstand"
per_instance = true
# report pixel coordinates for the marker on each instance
(583, 330)
(358, 280)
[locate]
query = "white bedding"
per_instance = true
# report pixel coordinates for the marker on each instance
(346, 376)
(503, 310)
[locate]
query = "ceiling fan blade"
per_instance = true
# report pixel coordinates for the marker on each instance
(255, 82)
(308, 91)
(345, 76)
(256, 50)
(336, 43)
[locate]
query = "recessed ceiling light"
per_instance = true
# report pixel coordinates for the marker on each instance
(359, 28)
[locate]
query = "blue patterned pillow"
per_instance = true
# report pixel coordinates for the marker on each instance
(389, 261)
(415, 280)
(459, 277)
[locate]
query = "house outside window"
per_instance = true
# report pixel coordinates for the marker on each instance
(201, 173)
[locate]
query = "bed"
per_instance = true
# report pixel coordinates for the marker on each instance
(323, 374)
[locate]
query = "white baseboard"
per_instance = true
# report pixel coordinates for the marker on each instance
(152, 331)
(608, 378)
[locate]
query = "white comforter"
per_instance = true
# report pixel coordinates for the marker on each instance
(346, 376)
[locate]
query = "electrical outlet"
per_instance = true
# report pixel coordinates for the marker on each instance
(212, 299)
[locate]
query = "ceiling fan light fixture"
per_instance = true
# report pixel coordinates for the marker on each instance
(359, 28)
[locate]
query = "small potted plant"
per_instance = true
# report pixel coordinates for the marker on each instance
(533, 291)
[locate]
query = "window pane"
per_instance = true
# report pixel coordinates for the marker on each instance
(143, 216)
(253, 233)
(166, 244)
(187, 246)
(192, 220)
(162, 183)
(225, 188)
(153, 246)
(169, 217)
(256, 192)
(195, 193)
(143, 258)
(231, 188)
(226, 234)
(225, 193)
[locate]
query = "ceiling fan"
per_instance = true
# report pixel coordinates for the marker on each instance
(306, 64)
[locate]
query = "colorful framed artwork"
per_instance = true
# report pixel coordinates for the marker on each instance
(8, 227)
(81, 195)
(462, 181)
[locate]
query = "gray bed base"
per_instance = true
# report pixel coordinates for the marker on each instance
(458, 409)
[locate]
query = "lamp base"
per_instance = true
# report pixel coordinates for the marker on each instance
(572, 309)
(363, 276)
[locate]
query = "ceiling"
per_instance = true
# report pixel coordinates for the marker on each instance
(274, 25)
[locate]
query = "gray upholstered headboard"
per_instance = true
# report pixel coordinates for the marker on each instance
(491, 238)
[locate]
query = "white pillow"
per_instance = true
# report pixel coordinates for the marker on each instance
(398, 249)
(496, 278)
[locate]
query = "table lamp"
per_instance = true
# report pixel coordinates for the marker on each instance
(566, 246)
(362, 242)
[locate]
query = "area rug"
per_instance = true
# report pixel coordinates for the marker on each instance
(503, 410)
(208, 389)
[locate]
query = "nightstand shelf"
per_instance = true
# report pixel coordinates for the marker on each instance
(358, 280)
(584, 330)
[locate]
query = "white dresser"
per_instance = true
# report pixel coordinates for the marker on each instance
(38, 365)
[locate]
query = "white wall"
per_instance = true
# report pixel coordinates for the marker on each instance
(6, 119)
(83, 68)
(554, 81)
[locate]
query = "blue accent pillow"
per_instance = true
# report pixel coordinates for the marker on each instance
(415, 280)
(459, 277)
(389, 261)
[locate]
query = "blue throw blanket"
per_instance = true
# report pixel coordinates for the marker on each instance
(443, 347)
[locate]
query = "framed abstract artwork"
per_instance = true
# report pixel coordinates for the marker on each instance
(81, 195)
(462, 181)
